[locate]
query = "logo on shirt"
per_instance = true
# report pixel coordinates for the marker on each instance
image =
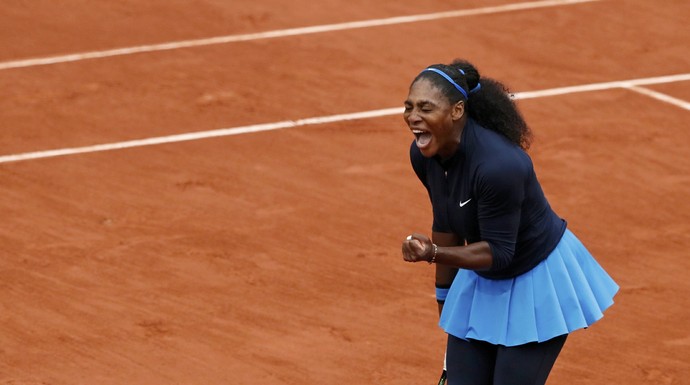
(465, 202)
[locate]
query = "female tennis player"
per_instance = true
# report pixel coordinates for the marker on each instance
(512, 281)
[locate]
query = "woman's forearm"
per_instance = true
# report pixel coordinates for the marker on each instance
(474, 256)
(444, 274)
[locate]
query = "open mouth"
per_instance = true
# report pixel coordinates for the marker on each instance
(423, 138)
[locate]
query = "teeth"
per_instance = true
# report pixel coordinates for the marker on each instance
(417, 131)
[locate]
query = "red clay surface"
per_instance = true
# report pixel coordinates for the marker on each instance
(274, 257)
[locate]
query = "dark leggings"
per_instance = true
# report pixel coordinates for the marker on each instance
(472, 362)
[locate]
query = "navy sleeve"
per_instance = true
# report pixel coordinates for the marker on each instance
(501, 191)
(419, 165)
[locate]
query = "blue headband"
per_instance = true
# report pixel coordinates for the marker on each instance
(456, 85)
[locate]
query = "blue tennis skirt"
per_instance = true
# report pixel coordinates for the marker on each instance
(567, 291)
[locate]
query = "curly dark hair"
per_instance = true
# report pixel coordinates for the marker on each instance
(491, 105)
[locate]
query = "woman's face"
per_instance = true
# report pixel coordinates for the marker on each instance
(432, 119)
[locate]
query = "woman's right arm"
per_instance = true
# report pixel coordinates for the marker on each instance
(444, 274)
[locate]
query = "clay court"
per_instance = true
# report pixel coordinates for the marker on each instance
(212, 193)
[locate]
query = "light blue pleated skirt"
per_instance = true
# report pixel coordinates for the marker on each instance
(567, 291)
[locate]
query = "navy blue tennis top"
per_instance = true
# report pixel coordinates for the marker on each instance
(488, 191)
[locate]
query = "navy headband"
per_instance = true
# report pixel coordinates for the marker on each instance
(456, 85)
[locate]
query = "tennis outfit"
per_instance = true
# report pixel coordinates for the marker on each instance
(543, 282)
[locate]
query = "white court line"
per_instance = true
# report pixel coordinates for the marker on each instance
(603, 86)
(200, 135)
(628, 84)
(659, 96)
(283, 33)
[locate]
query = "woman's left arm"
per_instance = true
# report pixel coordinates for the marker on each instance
(475, 256)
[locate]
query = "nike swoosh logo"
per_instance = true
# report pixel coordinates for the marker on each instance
(465, 202)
